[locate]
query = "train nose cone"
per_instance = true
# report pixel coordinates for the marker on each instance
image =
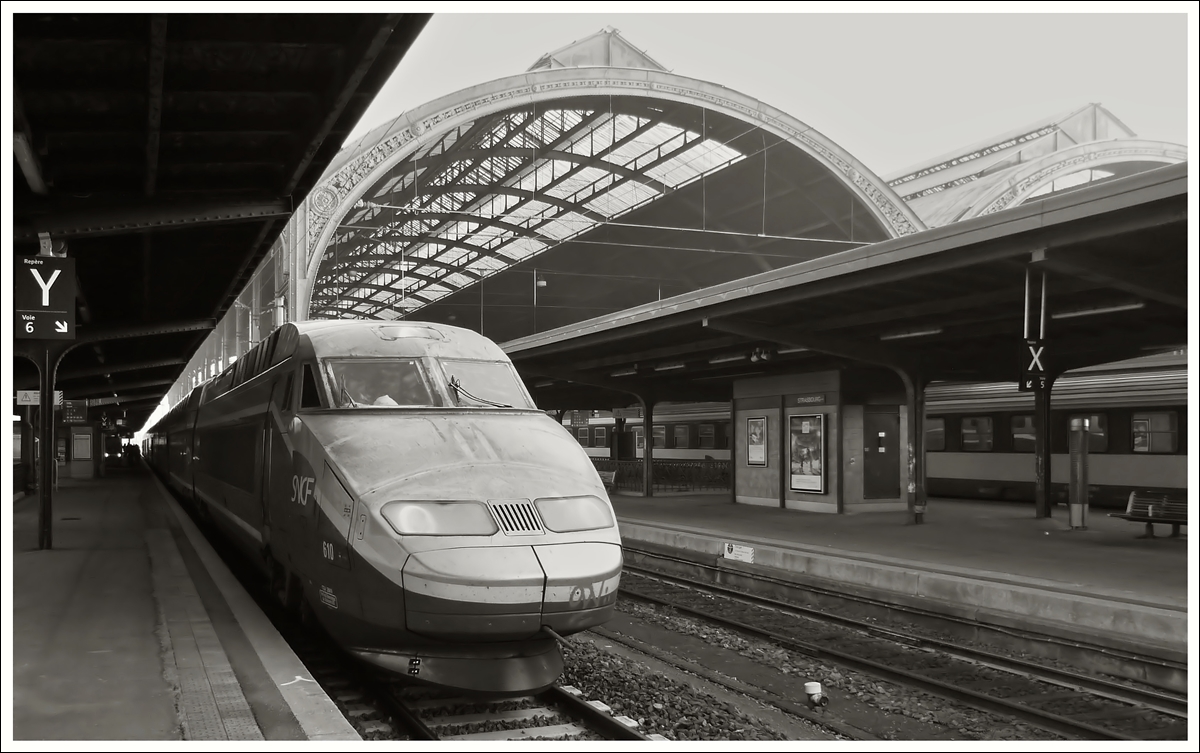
(509, 593)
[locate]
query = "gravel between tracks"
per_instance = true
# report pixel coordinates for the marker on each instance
(881, 694)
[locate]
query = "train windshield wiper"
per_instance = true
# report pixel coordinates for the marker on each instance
(457, 388)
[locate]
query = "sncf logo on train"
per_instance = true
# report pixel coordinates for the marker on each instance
(302, 489)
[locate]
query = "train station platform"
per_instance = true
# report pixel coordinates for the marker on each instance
(131, 628)
(986, 561)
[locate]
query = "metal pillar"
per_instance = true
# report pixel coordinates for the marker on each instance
(47, 356)
(1044, 500)
(1078, 494)
(614, 442)
(914, 388)
(648, 453)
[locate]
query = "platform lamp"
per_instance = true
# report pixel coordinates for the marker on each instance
(538, 282)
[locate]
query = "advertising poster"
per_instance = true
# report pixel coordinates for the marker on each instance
(808, 453)
(756, 441)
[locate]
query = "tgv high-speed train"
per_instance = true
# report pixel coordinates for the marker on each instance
(397, 481)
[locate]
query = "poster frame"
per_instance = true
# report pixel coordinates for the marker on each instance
(761, 423)
(795, 422)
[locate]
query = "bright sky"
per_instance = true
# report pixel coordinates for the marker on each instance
(891, 89)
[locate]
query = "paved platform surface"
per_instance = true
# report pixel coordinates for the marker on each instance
(987, 555)
(131, 628)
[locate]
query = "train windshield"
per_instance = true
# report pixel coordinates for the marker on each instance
(381, 382)
(488, 384)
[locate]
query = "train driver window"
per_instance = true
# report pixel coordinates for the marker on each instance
(487, 384)
(977, 433)
(1024, 438)
(1155, 432)
(935, 434)
(310, 396)
(1097, 430)
(380, 383)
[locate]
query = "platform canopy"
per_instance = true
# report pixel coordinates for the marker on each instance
(167, 151)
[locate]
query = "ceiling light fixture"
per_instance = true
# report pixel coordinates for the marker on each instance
(624, 372)
(669, 366)
(727, 359)
(912, 333)
(1133, 306)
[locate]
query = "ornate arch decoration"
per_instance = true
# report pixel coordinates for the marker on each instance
(342, 188)
(1026, 181)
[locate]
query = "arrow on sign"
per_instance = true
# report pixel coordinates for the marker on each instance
(60, 326)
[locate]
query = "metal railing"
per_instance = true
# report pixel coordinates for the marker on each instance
(669, 475)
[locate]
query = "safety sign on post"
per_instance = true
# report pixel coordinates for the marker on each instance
(33, 397)
(44, 298)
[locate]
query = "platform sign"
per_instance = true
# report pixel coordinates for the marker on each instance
(44, 298)
(74, 411)
(627, 413)
(580, 418)
(1033, 366)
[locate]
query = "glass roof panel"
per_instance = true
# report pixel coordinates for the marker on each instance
(621, 198)
(522, 248)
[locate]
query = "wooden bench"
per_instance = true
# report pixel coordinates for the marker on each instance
(609, 479)
(1155, 507)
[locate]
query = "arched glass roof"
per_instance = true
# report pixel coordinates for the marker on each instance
(711, 197)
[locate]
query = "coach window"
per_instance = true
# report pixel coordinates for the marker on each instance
(708, 436)
(1097, 430)
(1155, 432)
(601, 436)
(582, 435)
(977, 434)
(1024, 439)
(681, 437)
(660, 436)
(639, 438)
(935, 434)
(310, 396)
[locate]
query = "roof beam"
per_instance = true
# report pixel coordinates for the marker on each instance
(23, 148)
(351, 263)
(132, 217)
(1085, 266)
(154, 96)
(843, 348)
(147, 330)
(117, 387)
(349, 85)
(118, 367)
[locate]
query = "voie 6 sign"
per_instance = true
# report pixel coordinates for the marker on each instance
(44, 298)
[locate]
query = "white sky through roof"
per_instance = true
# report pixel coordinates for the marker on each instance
(891, 89)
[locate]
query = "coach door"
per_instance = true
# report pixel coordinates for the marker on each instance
(881, 452)
(277, 491)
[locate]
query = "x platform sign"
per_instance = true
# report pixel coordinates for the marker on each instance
(1033, 366)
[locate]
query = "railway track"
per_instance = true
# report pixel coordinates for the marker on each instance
(1067, 703)
(559, 713)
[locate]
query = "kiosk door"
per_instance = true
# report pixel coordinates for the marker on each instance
(881, 455)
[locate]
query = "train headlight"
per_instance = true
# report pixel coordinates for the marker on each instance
(566, 514)
(449, 518)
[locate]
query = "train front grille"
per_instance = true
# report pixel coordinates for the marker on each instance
(516, 517)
